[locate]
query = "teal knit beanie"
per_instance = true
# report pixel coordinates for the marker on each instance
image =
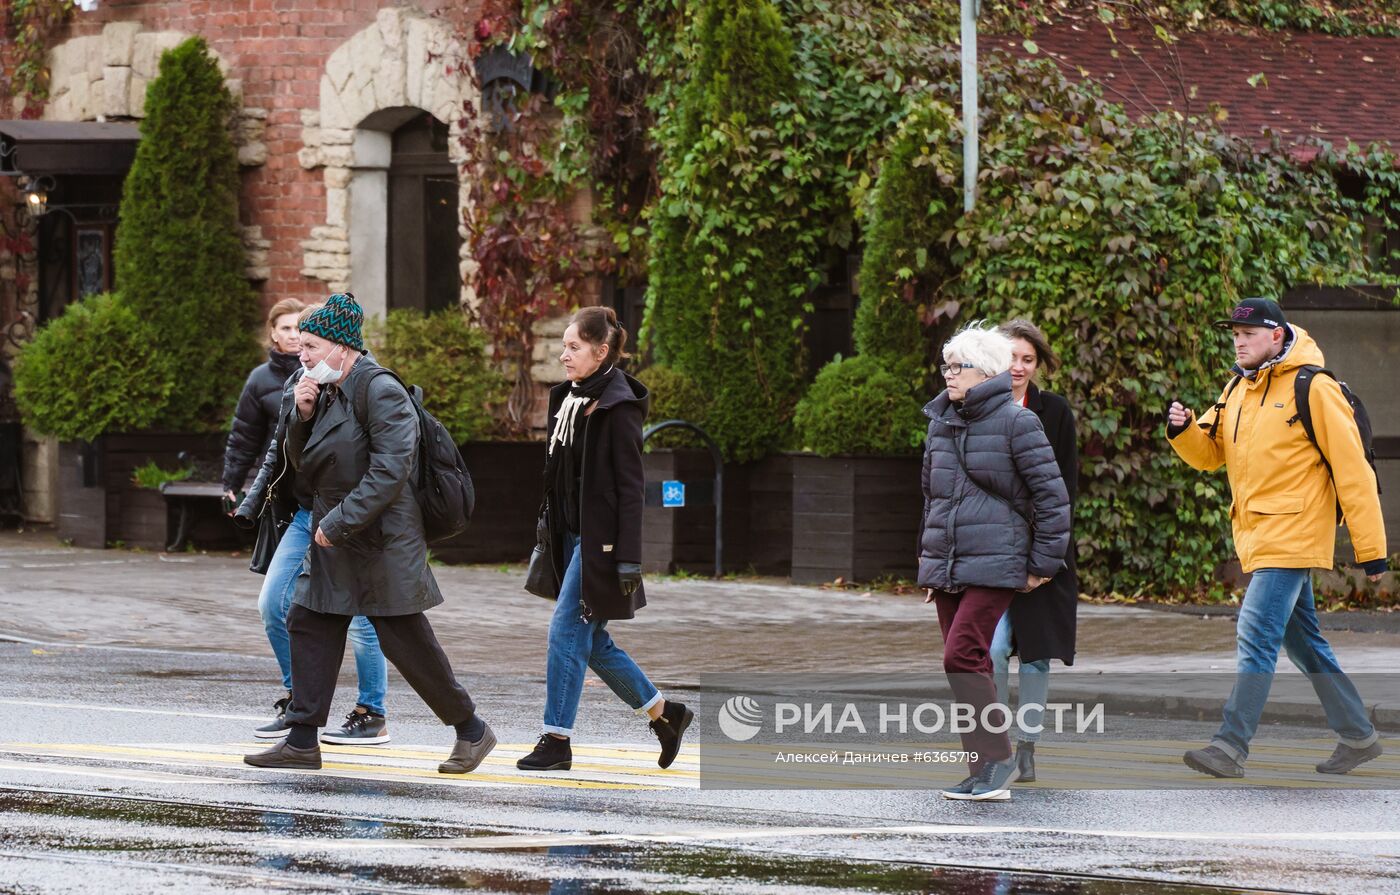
(338, 320)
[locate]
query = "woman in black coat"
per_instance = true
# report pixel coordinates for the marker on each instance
(255, 417)
(593, 497)
(352, 438)
(1039, 626)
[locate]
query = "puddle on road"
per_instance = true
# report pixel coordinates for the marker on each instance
(188, 841)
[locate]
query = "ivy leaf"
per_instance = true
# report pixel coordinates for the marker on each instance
(1256, 79)
(1030, 46)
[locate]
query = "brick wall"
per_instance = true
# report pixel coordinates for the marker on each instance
(278, 49)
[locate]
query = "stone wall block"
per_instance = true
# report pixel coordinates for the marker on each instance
(136, 95)
(118, 42)
(338, 208)
(337, 136)
(145, 56)
(332, 110)
(116, 91)
(337, 178)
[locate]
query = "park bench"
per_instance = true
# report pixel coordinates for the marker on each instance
(185, 495)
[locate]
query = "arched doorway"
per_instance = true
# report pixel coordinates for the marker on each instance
(424, 244)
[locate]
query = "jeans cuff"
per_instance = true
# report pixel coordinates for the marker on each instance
(1235, 754)
(562, 731)
(1362, 743)
(649, 704)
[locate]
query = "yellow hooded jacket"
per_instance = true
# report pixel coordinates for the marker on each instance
(1284, 507)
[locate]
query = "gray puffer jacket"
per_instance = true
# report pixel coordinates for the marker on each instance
(1000, 513)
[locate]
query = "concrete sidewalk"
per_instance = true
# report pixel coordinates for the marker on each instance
(49, 592)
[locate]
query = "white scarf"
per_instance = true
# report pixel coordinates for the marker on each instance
(566, 421)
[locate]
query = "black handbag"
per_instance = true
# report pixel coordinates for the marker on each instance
(270, 531)
(542, 579)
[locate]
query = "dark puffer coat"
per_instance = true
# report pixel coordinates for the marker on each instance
(255, 417)
(276, 480)
(995, 506)
(612, 494)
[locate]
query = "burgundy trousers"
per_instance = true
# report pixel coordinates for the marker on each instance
(969, 619)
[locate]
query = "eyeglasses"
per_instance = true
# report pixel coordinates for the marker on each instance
(949, 369)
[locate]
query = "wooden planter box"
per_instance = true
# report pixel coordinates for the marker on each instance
(509, 480)
(758, 518)
(100, 506)
(854, 518)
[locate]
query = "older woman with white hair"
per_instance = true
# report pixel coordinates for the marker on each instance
(996, 526)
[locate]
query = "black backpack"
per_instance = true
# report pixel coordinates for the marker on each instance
(1302, 385)
(1302, 388)
(444, 488)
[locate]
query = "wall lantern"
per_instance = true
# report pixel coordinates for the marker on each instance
(36, 194)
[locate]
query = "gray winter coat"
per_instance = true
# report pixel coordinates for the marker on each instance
(1000, 513)
(359, 478)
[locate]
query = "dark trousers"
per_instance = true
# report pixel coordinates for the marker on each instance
(408, 642)
(969, 619)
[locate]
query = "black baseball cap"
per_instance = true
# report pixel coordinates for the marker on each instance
(1263, 312)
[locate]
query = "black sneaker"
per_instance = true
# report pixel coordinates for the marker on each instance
(669, 729)
(1346, 758)
(279, 727)
(361, 728)
(551, 754)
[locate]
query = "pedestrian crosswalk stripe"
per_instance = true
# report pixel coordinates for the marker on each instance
(499, 768)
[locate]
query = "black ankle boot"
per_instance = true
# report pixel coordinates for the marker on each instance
(669, 729)
(551, 754)
(1025, 761)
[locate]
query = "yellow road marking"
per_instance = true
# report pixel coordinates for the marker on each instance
(152, 754)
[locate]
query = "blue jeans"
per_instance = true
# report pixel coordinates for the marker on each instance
(1032, 683)
(576, 645)
(1278, 610)
(276, 598)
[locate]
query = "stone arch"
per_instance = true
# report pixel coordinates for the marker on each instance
(399, 67)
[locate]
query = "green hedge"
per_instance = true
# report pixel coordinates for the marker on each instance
(1123, 240)
(446, 356)
(179, 258)
(674, 396)
(95, 369)
(733, 237)
(871, 403)
(860, 405)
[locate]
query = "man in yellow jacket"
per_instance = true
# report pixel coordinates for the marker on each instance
(1286, 494)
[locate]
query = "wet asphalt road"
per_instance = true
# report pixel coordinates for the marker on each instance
(120, 772)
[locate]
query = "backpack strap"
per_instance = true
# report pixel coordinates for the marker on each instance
(1302, 386)
(360, 402)
(1220, 405)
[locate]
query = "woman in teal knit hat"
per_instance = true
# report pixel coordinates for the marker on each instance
(352, 437)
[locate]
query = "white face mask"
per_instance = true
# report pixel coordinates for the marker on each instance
(323, 372)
